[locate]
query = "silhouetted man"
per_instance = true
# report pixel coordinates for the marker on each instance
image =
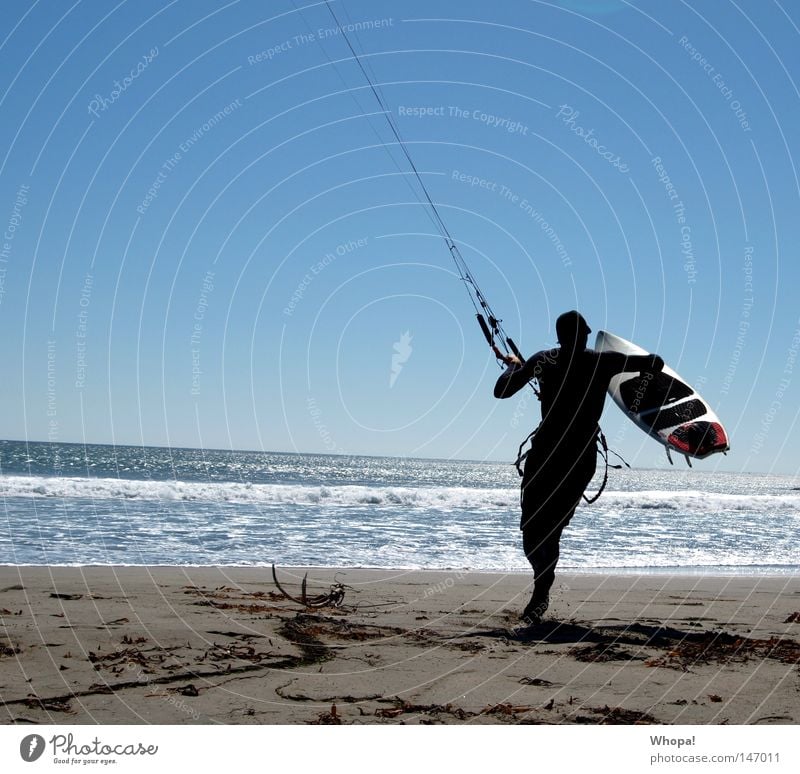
(573, 381)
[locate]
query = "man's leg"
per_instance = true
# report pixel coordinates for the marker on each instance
(542, 552)
(546, 510)
(541, 546)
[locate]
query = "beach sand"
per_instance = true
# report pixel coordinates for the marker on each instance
(172, 645)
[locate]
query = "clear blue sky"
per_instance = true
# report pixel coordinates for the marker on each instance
(207, 244)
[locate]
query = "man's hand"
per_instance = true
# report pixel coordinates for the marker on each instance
(509, 360)
(656, 365)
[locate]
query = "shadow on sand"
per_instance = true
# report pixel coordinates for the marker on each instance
(638, 634)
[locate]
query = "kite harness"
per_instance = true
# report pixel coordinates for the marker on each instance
(602, 450)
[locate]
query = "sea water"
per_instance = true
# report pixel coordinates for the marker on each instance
(69, 504)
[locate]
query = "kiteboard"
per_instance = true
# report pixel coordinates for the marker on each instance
(664, 405)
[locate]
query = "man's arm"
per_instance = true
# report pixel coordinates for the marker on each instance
(617, 363)
(517, 375)
(644, 363)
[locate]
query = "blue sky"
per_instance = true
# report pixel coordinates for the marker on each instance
(210, 238)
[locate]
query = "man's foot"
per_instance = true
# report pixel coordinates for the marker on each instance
(535, 610)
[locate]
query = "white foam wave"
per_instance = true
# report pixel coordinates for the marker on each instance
(434, 498)
(261, 494)
(699, 502)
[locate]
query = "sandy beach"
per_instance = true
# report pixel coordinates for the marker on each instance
(172, 645)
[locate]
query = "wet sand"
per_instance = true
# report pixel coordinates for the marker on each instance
(173, 645)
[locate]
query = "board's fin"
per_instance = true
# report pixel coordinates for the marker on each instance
(669, 455)
(688, 460)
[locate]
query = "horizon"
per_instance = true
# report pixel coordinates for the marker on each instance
(676, 467)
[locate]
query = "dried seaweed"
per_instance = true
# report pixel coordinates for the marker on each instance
(469, 647)
(97, 688)
(234, 651)
(314, 650)
(535, 681)
(319, 626)
(600, 652)
(343, 699)
(327, 718)
(116, 622)
(240, 607)
(508, 710)
(616, 716)
(724, 648)
(128, 640)
(120, 658)
(401, 707)
(229, 592)
(105, 688)
(49, 705)
(237, 635)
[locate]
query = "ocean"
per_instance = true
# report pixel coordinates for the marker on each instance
(70, 504)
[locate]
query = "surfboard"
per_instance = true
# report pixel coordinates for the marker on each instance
(664, 405)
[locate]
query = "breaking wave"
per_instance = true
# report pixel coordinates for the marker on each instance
(435, 498)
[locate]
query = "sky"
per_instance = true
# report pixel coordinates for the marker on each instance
(212, 239)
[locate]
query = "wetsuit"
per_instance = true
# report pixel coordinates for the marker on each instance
(563, 454)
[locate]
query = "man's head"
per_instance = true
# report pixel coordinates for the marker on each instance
(572, 330)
